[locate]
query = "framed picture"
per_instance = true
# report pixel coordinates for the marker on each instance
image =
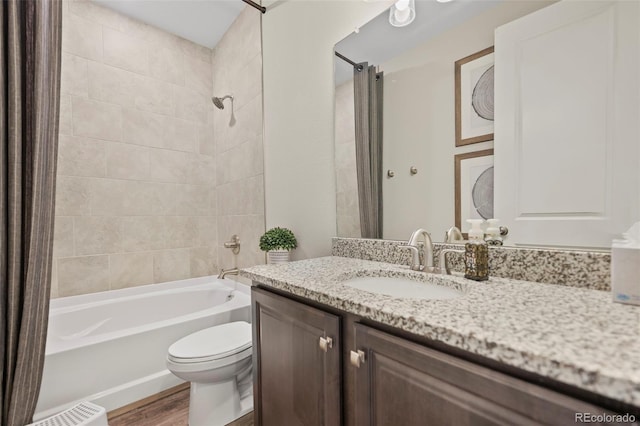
(474, 187)
(474, 98)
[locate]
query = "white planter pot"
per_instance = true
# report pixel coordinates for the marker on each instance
(278, 256)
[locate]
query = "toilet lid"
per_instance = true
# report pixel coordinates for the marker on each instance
(213, 343)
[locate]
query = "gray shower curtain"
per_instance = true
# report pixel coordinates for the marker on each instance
(30, 44)
(368, 90)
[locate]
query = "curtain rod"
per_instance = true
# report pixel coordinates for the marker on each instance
(344, 58)
(255, 5)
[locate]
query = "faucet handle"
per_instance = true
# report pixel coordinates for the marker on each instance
(415, 257)
(443, 265)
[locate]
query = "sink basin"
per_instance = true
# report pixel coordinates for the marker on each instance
(403, 288)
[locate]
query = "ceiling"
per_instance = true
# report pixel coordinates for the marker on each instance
(201, 21)
(378, 41)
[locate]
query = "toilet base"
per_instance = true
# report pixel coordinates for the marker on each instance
(213, 404)
(217, 404)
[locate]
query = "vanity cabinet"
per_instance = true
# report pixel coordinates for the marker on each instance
(371, 377)
(296, 363)
(403, 383)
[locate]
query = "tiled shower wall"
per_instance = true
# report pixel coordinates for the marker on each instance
(136, 193)
(237, 71)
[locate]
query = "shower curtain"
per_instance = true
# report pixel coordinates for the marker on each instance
(30, 44)
(368, 90)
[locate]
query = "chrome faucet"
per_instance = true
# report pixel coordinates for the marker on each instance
(427, 251)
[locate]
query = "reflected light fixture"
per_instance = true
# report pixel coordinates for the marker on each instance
(402, 13)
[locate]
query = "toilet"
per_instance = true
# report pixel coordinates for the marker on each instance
(217, 362)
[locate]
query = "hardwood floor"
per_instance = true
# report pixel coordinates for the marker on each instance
(170, 410)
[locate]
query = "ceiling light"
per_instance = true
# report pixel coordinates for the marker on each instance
(402, 13)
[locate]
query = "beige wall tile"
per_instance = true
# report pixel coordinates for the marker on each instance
(78, 156)
(198, 74)
(63, 237)
(248, 125)
(241, 162)
(130, 269)
(203, 261)
(92, 12)
(143, 233)
(108, 197)
(192, 49)
(144, 128)
(191, 104)
(97, 235)
(110, 84)
(74, 75)
(113, 197)
(153, 95)
(125, 161)
(96, 119)
(180, 231)
(206, 143)
(202, 170)
(207, 227)
(167, 65)
(66, 122)
(194, 200)
(247, 84)
(125, 51)
(157, 38)
(81, 275)
(180, 135)
(162, 197)
(170, 265)
(244, 196)
(73, 196)
(81, 38)
(169, 166)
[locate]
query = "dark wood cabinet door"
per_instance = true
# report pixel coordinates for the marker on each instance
(403, 383)
(297, 381)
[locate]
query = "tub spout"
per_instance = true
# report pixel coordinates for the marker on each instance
(225, 272)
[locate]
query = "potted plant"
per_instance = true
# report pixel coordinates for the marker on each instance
(278, 243)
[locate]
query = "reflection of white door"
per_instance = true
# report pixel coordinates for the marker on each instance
(567, 123)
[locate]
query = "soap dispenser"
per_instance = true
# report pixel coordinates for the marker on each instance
(476, 253)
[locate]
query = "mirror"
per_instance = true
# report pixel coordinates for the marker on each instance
(419, 124)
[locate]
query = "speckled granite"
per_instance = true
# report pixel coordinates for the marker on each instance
(576, 336)
(565, 267)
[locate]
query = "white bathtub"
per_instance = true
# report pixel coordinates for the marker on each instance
(110, 348)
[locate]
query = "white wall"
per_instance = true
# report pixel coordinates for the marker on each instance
(298, 39)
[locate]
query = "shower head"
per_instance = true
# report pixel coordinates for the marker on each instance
(218, 101)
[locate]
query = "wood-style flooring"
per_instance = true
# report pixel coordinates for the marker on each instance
(169, 410)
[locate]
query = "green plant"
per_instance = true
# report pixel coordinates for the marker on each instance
(278, 239)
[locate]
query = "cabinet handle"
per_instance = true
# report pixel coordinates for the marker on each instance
(357, 358)
(326, 343)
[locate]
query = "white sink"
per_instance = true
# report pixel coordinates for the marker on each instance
(403, 288)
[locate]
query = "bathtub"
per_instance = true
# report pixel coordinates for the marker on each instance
(110, 347)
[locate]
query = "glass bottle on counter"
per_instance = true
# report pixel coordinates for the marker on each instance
(476, 253)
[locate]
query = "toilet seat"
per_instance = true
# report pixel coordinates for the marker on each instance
(230, 340)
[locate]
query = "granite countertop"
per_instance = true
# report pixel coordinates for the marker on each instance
(575, 336)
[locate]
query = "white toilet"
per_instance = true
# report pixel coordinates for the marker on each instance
(217, 362)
